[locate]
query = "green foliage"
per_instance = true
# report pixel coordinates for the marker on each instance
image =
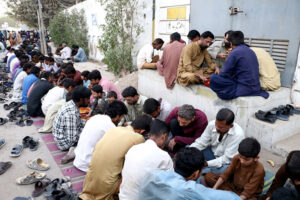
(70, 27)
(119, 34)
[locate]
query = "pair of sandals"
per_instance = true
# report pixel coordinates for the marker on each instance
(281, 113)
(60, 189)
(11, 105)
(22, 122)
(29, 142)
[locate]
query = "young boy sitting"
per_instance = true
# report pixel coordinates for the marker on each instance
(111, 96)
(100, 102)
(245, 174)
(84, 78)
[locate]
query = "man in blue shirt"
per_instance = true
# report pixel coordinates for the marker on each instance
(181, 183)
(240, 73)
(28, 81)
(80, 55)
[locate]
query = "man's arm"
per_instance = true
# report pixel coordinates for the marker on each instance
(171, 116)
(214, 49)
(209, 61)
(187, 54)
(218, 183)
(205, 139)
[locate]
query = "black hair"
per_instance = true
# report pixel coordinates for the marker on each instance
(129, 92)
(175, 37)
(150, 105)
(46, 75)
(249, 147)
(95, 74)
(70, 70)
(236, 38)
(97, 89)
(35, 70)
(68, 82)
(111, 94)
(158, 41)
(18, 53)
(80, 92)
(85, 73)
(207, 34)
(68, 96)
(158, 128)
(284, 193)
(65, 65)
(228, 32)
(50, 59)
(26, 66)
(293, 164)
(142, 122)
(74, 46)
(47, 58)
(225, 114)
(41, 58)
(193, 34)
(116, 108)
(189, 160)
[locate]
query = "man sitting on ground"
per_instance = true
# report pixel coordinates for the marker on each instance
(190, 69)
(96, 79)
(94, 130)
(68, 124)
(70, 72)
(219, 142)
(158, 109)
(167, 66)
(186, 125)
(28, 81)
(269, 76)
(80, 55)
(100, 103)
(219, 50)
(40, 88)
(57, 93)
(245, 175)
(181, 183)
(142, 158)
(134, 103)
(193, 35)
(17, 87)
(146, 58)
(103, 178)
(240, 73)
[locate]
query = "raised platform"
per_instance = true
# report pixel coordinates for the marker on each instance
(151, 84)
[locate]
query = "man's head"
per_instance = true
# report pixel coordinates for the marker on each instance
(64, 44)
(152, 107)
(97, 91)
(157, 43)
(130, 95)
(50, 61)
(293, 166)
(81, 96)
(47, 76)
(142, 124)
(189, 163)
(186, 115)
(24, 58)
(35, 70)
(236, 38)
(68, 84)
(70, 71)
(46, 61)
(75, 47)
(111, 96)
(116, 110)
(205, 40)
(226, 36)
(65, 65)
(193, 35)
(84, 75)
(175, 37)
(27, 67)
(224, 120)
(41, 59)
(94, 77)
(249, 149)
(159, 133)
(284, 193)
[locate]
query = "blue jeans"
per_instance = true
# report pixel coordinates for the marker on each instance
(209, 155)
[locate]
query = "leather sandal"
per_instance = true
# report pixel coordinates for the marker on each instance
(4, 166)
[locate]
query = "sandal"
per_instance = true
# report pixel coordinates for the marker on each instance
(6, 107)
(3, 121)
(26, 140)
(33, 145)
(20, 123)
(4, 166)
(37, 164)
(266, 116)
(33, 177)
(2, 143)
(292, 109)
(40, 187)
(280, 114)
(29, 122)
(16, 151)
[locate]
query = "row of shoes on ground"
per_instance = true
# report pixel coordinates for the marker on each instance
(28, 142)
(281, 112)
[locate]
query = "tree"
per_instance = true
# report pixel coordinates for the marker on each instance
(119, 33)
(26, 10)
(70, 27)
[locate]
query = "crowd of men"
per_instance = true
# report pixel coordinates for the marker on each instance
(229, 67)
(134, 147)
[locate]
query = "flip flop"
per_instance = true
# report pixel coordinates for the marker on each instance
(2, 142)
(266, 116)
(6, 107)
(40, 187)
(20, 123)
(3, 121)
(278, 112)
(4, 166)
(37, 164)
(16, 151)
(33, 177)
(292, 109)
(29, 122)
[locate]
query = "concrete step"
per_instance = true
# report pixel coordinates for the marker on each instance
(287, 145)
(270, 134)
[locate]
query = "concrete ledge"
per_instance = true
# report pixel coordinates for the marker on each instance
(151, 84)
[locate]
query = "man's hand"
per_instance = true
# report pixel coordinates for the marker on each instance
(202, 77)
(243, 197)
(172, 144)
(217, 70)
(268, 198)
(155, 59)
(205, 164)
(222, 55)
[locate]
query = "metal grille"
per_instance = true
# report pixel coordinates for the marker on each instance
(278, 49)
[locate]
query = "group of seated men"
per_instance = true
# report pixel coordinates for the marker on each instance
(230, 67)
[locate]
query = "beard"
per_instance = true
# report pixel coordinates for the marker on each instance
(203, 48)
(227, 44)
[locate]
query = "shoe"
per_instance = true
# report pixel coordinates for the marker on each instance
(2, 142)
(20, 122)
(3, 121)
(40, 187)
(69, 157)
(33, 177)
(37, 164)
(26, 140)
(33, 144)
(4, 166)
(266, 116)
(292, 109)
(16, 151)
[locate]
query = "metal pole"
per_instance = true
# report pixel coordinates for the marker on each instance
(42, 29)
